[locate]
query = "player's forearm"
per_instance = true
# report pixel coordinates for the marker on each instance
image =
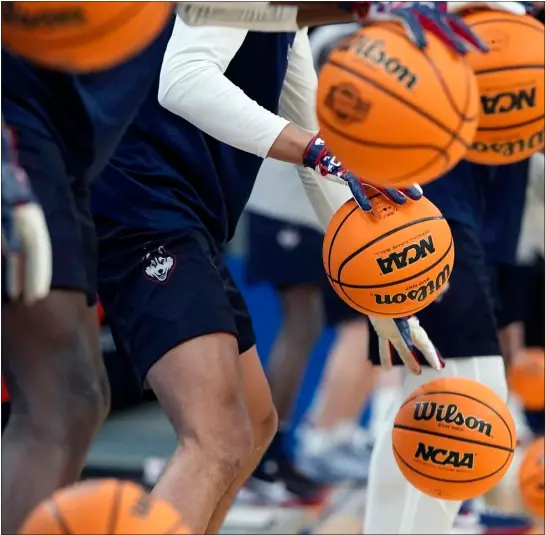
(290, 145)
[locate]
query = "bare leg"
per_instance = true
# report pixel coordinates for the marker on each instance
(349, 377)
(59, 397)
(264, 424)
(302, 324)
(200, 387)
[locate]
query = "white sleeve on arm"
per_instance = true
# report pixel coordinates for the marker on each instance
(192, 85)
(298, 105)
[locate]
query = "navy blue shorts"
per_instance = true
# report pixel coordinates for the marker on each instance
(509, 291)
(161, 289)
(67, 128)
(461, 323)
(284, 255)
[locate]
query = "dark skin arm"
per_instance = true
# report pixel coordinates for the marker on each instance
(317, 13)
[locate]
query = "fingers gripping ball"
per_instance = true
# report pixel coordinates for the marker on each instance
(454, 438)
(394, 114)
(103, 507)
(526, 378)
(532, 478)
(81, 36)
(511, 82)
(391, 262)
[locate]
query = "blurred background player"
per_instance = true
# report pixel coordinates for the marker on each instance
(285, 251)
(66, 126)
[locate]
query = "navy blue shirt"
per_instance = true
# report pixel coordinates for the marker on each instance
(85, 114)
(168, 175)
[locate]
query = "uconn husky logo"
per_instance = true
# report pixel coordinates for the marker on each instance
(159, 265)
(408, 256)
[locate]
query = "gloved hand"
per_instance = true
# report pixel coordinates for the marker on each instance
(318, 157)
(418, 17)
(26, 246)
(405, 335)
(516, 8)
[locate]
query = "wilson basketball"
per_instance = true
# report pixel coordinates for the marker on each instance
(531, 478)
(391, 262)
(81, 36)
(526, 379)
(395, 114)
(511, 82)
(454, 438)
(102, 507)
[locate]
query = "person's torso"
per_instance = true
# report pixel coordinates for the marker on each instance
(167, 174)
(86, 114)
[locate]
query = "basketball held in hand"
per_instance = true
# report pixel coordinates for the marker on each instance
(391, 262)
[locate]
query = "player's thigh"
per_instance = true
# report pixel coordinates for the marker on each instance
(461, 322)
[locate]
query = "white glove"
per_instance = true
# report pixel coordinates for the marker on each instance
(26, 245)
(405, 335)
(517, 8)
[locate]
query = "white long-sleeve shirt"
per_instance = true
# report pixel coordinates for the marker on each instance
(193, 86)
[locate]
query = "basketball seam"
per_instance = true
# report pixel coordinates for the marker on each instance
(386, 285)
(459, 439)
(410, 105)
(434, 478)
(334, 237)
(509, 68)
(537, 26)
(114, 512)
(56, 512)
(104, 29)
(511, 126)
(472, 398)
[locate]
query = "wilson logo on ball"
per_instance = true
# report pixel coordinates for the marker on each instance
(508, 148)
(507, 101)
(444, 457)
(417, 294)
(408, 256)
(63, 16)
(450, 414)
(373, 51)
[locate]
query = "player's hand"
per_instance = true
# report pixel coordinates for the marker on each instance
(405, 336)
(318, 157)
(419, 17)
(26, 246)
(516, 8)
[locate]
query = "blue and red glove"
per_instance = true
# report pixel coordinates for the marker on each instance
(26, 247)
(319, 158)
(419, 17)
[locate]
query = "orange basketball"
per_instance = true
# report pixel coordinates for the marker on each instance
(454, 438)
(526, 379)
(81, 36)
(394, 114)
(102, 507)
(391, 262)
(512, 87)
(532, 478)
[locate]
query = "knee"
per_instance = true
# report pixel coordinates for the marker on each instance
(265, 429)
(226, 441)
